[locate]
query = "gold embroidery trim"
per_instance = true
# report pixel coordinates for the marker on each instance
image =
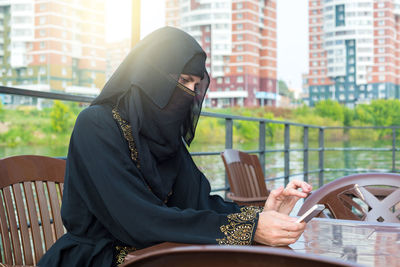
(127, 132)
(121, 253)
(240, 227)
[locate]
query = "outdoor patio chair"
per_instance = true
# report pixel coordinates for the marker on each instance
(30, 198)
(228, 256)
(373, 197)
(245, 177)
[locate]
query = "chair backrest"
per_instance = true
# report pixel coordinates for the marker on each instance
(245, 174)
(30, 198)
(227, 256)
(373, 197)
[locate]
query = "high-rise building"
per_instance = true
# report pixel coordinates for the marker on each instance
(116, 52)
(239, 38)
(53, 45)
(354, 49)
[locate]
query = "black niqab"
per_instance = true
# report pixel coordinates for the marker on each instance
(145, 90)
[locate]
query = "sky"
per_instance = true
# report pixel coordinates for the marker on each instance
(292, 31)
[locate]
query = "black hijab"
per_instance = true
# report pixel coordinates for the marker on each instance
(162, 112)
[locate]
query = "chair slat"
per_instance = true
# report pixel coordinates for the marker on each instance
(23, 225)
(5, 237)
(55, 208)
(13, 226)
(34, 220)
(44, 214)
(61, 185)
(20, 229)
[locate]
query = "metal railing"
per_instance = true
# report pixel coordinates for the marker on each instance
(261, 151)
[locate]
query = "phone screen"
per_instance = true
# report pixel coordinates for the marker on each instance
(311, 213)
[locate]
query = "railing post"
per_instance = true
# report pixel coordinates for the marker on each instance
(228, 143)
(261, 145)
(394, 150)
(287, 155)
(321, 157)
(305, 154)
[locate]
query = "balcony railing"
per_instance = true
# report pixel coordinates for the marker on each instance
(262, 150)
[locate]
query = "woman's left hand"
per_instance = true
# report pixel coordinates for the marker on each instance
(283, 199)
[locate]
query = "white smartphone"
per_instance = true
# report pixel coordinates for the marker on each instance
(311, 213)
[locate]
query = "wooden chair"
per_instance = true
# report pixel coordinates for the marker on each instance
(245, 177)
(373, 197)
(228, 256)
(30, 198)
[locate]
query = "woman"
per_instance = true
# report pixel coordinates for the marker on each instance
(130, 182)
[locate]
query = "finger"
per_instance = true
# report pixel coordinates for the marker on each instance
(295, 184)
(272, 202)
(294, 192)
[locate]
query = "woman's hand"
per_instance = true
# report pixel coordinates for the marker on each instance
(283, 200)
(277, 229)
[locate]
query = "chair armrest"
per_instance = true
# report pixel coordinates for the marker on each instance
(232, 196)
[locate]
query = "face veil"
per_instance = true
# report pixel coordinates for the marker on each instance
(146, 92)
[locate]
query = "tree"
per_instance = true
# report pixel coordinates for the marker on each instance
(60, 117)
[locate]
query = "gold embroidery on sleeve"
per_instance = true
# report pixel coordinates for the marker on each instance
(121, 253)
(127, 132)
(240, 229)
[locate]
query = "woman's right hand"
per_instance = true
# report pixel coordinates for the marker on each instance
(277, 229)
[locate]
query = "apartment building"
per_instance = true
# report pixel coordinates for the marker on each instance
(239, 38)
(353, 50)
(53, 45)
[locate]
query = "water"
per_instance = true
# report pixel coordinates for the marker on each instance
(213, 167)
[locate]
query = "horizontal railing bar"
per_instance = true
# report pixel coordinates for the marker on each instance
(358, 170)
(236, 117)
(220, 189)
(360, 127)
(47, 95)
(296, 174)
(357, 149)
(298, 150)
